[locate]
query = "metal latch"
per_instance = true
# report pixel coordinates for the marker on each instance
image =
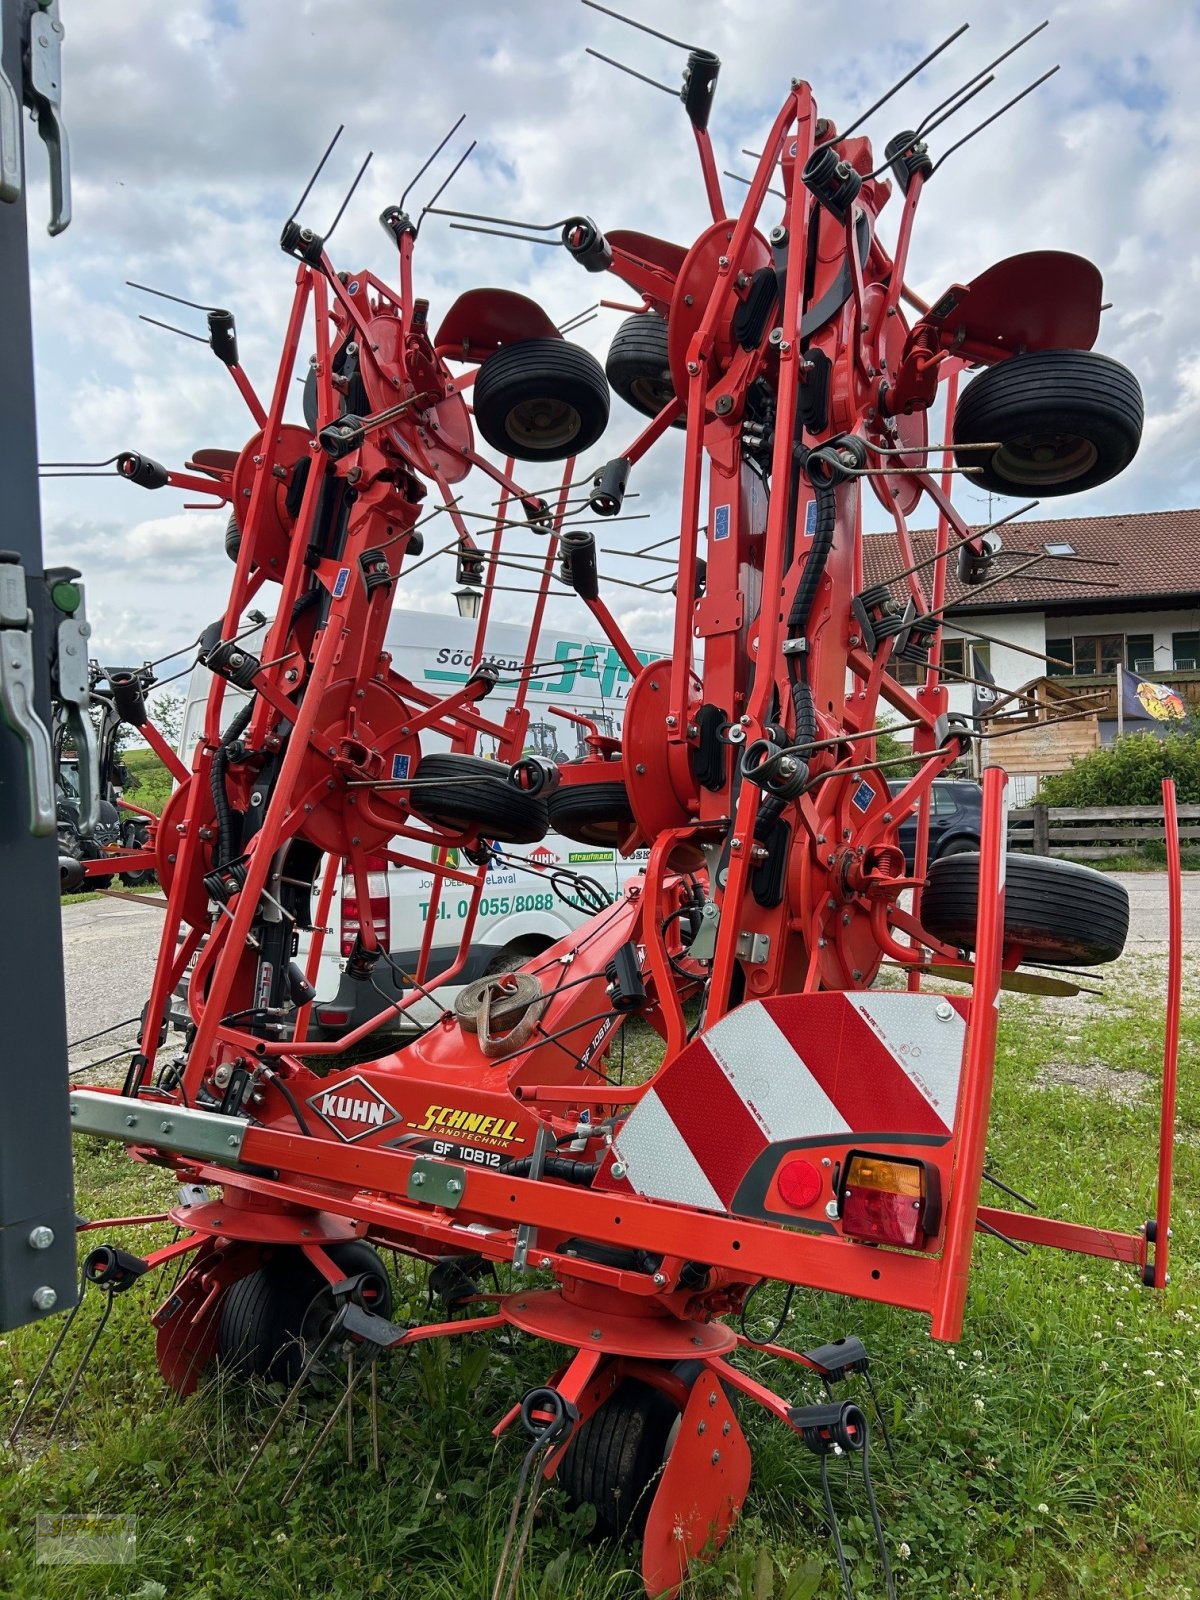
(703, 946)
(70, 686)
(41, 91)
(17, 696)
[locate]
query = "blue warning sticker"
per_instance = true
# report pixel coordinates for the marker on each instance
(862, 796)
(400, 766)
(810, 519)
(340, 582)
(721, 523)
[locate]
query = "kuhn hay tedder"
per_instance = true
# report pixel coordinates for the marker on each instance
(804, 1126)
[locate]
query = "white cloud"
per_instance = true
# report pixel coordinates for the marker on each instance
(192, 139)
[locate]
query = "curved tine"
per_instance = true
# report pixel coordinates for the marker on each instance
(317, 171)
(81, 1366)
(454, 170)
(641, 26)
(423, 170)
(991, 66)
(193, 305)
(49, 1362)
(641, 76)
(349, 196)
(897, 86)
(1007, 106)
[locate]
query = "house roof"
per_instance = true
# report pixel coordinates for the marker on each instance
(1157, 555)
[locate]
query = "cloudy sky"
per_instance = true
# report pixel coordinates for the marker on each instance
(194, 126)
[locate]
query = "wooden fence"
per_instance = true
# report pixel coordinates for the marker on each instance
(1081, 832)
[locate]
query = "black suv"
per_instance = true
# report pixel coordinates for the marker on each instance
(954, 820)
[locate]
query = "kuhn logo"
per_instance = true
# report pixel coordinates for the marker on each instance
(353, 1109)
(543, 856)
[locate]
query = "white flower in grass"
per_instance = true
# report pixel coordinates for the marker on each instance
(978, 1403)
(904, 1550)
(1043, 1508)
(1160, 1384)
(281, 1537)
(1147, 1372)
(1104, 1366)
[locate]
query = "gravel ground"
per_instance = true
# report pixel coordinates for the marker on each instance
(109, 948)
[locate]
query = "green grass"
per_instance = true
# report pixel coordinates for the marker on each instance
(1054, 1453)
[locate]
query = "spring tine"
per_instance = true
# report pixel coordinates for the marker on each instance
(48, 1363)
(350, 1409)
(927, 123)
(898, 85)
(1007, 106)
(641, 26)
(349, 196)
(182, 332)
(77, 1375)
(502, 233)
(317, 171)
(274, 1424)
(883, 1431)
(641, 76)
(421, 173)
(737, 178)
(986, 1227)
(326, 1430)
(192, 305)
(438, 193)
(375, 1460)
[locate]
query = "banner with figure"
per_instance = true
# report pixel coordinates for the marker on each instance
(1144, 701)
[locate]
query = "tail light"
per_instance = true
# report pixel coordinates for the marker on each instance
(888, 1201)
(379, 905)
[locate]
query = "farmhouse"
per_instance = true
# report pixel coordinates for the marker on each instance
(1117, 591)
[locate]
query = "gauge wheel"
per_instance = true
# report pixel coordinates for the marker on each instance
(591, 813)
(273, 1317)
(637, 366)
(1061, 421)
(468, 794)
(541, 400)
(1060, 913)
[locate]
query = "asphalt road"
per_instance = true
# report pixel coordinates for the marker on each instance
(109, 948)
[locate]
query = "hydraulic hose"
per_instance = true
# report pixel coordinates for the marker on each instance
(220, 763)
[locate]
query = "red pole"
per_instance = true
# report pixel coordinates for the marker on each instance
(1166, 1134)
(975, 1089)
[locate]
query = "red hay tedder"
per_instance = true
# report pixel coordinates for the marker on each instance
(803, 1126)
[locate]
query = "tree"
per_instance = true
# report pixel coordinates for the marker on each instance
(166, 713)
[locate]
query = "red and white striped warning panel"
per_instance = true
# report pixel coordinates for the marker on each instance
(799, 1067)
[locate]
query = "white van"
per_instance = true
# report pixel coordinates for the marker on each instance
(526, 902)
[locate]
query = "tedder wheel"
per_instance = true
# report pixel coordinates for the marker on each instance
(272, 1317)
(541, 400)
(1063, 420)
(1063, 914)
(637, 366)
(592, 813)
(467, 792)
(614, 1459)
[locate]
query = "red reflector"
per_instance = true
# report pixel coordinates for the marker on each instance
(799, 1184)
(329, 1018)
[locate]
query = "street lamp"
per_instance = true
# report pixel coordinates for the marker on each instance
(468, 602)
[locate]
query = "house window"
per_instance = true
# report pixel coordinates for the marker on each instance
(1139, 652)
(1185, 651)
(1098, 652)
(1062, 660)
(1060, 549)
(956, 662)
